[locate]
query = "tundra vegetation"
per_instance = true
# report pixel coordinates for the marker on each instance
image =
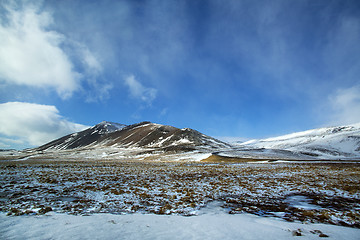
(326, 192)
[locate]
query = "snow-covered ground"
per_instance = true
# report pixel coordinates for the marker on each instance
(105, 153)
(309, 192)
(117, 200)
(212, 223)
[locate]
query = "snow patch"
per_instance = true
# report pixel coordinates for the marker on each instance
(302, 202)
(182, 141)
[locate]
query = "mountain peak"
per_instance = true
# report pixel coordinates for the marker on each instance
(108, 127)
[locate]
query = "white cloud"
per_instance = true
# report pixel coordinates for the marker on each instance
(31, 55)
(137, 90)
(345, 105)
(33, 124)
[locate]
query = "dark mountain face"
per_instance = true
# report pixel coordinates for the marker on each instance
(83, 138)
(143, 135)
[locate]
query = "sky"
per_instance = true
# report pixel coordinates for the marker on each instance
(229, 69)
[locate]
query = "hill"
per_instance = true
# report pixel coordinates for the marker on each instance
(340, 142)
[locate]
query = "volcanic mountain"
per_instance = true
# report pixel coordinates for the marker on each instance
(145, 135)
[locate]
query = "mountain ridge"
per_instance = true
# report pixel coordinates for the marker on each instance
(146, 140)
(141, 135)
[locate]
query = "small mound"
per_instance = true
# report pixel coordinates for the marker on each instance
(223, 159)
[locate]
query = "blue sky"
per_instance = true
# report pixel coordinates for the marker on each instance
(248, 69)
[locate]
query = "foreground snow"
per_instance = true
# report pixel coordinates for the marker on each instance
(210, 224)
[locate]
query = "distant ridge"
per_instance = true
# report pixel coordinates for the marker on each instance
(340, 142)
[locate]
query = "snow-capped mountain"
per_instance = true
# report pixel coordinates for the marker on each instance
(145, 138)
(141, 135)
(341, 142)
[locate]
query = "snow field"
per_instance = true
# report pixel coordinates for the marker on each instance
(210, 225)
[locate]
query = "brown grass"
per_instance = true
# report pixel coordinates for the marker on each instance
(223, 159)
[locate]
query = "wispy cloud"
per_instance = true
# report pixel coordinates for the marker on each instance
(33, 124)
(97, 88)
(8, 142)
(345, 106)
(139, 91)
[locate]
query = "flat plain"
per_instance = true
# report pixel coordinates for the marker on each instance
(309, 192)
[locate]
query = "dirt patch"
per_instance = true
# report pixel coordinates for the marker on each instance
(223, 159)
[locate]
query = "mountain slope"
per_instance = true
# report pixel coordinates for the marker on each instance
(332, 142)
(142, 135)
(83, 138)
(151, 135)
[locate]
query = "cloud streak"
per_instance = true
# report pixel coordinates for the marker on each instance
(33, 124)
(139, 91)
(345, 106)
